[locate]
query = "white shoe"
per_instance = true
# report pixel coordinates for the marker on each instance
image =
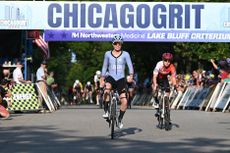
(106, 115)
(120, 125)
(155, 105)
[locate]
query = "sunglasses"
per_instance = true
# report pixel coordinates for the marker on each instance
(116, 43)
(167, 61)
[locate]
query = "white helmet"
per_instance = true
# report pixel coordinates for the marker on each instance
(98, 73)
(117, 38)
(88, 83)
(77, 81)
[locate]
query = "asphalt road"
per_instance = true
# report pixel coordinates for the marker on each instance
(81, 129)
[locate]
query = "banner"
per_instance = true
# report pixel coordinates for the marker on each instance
(135, 21)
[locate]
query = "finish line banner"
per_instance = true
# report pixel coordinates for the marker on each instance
(136, 21)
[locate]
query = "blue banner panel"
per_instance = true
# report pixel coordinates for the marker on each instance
(137, 35)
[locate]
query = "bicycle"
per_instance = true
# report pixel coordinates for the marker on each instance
(164, 110)
(77, 98)
(113, 111)
(100, 99)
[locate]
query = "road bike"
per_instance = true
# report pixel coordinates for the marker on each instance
(113, 111)
(100, 98)
(77, 98)
(164, 111)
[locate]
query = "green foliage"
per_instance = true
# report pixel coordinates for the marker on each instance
(89, 60)
(203, 51)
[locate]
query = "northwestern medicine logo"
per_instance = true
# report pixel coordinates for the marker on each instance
(14, 18)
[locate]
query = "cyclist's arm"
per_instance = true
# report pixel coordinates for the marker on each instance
(105, 65)
(102, 82)
(73, 89)
(130, 66)
(155, 74)
(173, 76)
(154, 85)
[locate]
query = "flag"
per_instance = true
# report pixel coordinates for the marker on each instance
(43, 45)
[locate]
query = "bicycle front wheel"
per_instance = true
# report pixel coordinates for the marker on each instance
(113, 117)
(167, 116)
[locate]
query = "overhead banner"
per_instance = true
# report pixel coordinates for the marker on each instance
(135, 21)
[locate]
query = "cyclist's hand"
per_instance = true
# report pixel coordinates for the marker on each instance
(130, 79)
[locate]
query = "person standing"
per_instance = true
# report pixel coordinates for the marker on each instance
(115, 62)
(41, 80)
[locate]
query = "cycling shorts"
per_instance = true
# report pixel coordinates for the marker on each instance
(163, 83)
(119, 85)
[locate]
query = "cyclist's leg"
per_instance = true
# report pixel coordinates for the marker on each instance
(167, 89)
(106, 98)
(91, 96)
(121, 88)
(124, 103)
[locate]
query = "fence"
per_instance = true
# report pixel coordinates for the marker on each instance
(213, 98)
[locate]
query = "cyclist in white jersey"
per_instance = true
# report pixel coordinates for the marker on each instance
(97, 85)
(115, 62)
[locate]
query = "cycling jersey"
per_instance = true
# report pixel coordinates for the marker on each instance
(78, 87)
(163, 71)
(116, 65)
(89, 87)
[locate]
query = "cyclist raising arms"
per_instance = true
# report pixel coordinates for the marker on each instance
(160, 75)
(115, 62)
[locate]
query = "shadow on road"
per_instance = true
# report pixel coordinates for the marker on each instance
(128, 131)
(41, 139)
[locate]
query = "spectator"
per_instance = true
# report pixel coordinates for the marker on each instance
(17, 74)
(3, 103)
(196, 77)
(227, 79)
(222, 68)
(41, 80)
(50, 80)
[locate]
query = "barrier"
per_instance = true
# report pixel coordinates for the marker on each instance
(188, 93)
(23, 98)
(223, 98)
(213, 98)
(46, 99)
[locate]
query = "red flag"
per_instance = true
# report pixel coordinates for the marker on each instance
(43, 45)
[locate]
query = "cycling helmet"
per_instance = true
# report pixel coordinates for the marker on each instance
(167, 56)
(77, 81)
(98, 73)
(117, 38)
(88, 83)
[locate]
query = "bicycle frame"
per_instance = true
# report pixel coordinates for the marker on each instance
(164, 117)
(113, 115)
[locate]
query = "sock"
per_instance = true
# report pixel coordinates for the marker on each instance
(121, 115)
(106, 106)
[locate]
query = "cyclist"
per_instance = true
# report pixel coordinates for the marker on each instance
(88, 92)
(97, 85)
(160, 76)
(77, 91)
(115, 62)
